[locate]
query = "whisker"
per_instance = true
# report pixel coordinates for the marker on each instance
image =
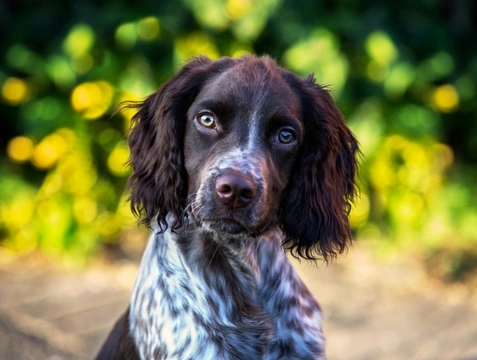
(186, 209)
(215, 252)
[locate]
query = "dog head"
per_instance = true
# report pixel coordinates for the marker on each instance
(244, 146)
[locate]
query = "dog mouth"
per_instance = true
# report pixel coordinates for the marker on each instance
(229, 226)
(228, 222)
(225, 225)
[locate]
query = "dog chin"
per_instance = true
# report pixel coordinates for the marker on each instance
(224, 226)
(233, 228)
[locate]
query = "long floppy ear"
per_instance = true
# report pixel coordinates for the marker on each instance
(317, 203)
(158, 183)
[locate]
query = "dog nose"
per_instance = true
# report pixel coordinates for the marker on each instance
(235, 190)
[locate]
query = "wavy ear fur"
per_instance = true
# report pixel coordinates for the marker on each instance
(316, 206)
(158, 183)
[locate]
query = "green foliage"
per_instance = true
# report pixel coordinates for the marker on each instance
(404, 74)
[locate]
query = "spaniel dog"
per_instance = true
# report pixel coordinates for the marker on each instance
(234, 162)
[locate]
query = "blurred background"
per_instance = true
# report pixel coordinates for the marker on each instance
(403, 73)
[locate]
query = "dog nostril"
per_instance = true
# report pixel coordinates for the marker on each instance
(235, 190)
(224, 189)
(247, 193)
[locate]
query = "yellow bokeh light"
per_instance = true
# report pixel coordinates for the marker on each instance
(24, 240)
(85, 210)
(48, 151)
(195, 44)
(107, 224)
(359, 211)
(238, 8)
(382, 175)
(148, 29)
(23, 204)
(381, 48)
(123, 213)
(15, 90)
(127, 112)
(20, 148)
(414, 178)
(79, 40)
(92, 99)
(415, 154)
(78, 173)
(83, 95)
(408, 207)
(395, 142)
(118, 158)
(54, 216)
(445, 98)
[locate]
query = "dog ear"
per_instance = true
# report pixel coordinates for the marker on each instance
(316, 206)
(158, 183)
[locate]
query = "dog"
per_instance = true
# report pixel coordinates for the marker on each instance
(234, 163)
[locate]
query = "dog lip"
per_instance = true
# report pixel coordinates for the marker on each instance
(225, 225)
(221, 220)
(231, 226)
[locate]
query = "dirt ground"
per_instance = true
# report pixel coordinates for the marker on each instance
(372, 310)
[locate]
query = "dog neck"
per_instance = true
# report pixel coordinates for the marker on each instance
(203, 296)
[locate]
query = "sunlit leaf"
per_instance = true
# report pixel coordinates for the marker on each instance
(60, 71)
(319, 54)
(210, 14)
(250, 17)
(148, 28)
(195, 44)
(79, 40)
(381, 48)
(126, 36)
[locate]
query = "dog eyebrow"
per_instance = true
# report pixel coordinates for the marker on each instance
(215, 105)
(281, 119)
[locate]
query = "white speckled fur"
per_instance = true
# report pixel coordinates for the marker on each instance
(149, 305)
(186, 333)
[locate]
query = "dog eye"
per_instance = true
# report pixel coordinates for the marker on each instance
(207, 120)
(286, 136)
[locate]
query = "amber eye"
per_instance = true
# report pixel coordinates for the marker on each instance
(207, 120)
(286, 136)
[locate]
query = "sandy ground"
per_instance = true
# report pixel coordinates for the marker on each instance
(372, 310)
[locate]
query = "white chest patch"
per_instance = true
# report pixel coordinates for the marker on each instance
(178, 313)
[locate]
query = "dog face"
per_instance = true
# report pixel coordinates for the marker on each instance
(243, 145)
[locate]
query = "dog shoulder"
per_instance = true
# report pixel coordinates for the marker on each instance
(119, 345)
